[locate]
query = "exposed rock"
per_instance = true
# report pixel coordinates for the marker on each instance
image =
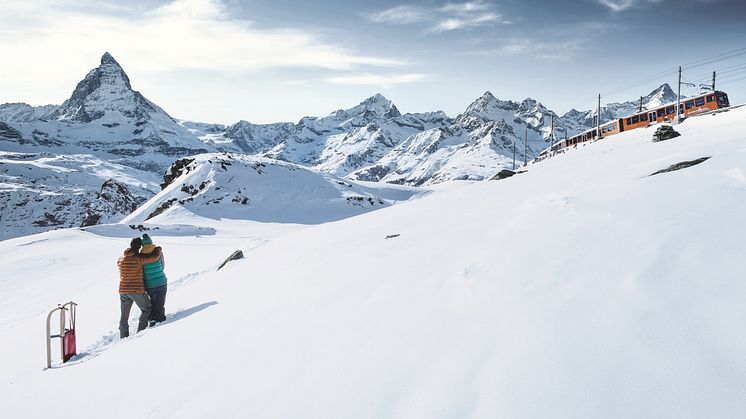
(164, 206)
(664, 132)
(505, 173)
(234, 256)
(175, 171)
(114, 199)
(10, 133)
(681, 165)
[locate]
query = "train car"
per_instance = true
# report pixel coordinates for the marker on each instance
(688, 107)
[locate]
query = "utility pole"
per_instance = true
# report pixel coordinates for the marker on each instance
(525, 148)
(713, 81)
(639, 108)
(551, 134)
(598, 118)
(678, 100)
(513, 154)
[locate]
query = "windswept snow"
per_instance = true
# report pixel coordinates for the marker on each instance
(581, 288)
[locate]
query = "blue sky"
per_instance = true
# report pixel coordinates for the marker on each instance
(268, 61)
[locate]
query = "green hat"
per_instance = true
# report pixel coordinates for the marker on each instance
(146, 239)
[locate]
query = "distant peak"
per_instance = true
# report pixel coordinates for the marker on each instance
(108, 59)
(376, 98)
(529, 101)
(486, 103)
(377, 103)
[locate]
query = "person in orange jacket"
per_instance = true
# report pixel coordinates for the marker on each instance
(132, 287)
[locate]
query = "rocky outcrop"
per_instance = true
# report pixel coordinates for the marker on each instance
(664, 132)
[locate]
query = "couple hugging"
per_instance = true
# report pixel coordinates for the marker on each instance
(143, 282)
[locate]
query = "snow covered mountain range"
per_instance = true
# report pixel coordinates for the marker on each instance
(107, 124)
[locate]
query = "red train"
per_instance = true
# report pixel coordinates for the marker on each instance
(689, 107)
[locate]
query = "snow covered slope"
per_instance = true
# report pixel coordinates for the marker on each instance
(584, 287)
(240, 187)
(42, 191)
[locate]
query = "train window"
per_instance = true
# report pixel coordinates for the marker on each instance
(635, 119)
(700, 101)
(670, 110)
(629, 121)
(710, 98)
(689, 104)
(643, 118)
(661, 112)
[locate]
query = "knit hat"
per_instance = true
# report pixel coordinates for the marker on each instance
(146, 239)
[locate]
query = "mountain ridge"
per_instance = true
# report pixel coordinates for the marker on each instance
(106, 119)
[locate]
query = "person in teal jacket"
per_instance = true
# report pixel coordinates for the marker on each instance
(155, 282)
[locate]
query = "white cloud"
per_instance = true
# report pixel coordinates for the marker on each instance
(183, 34)
(622, 5)
(456, 23)
(551, 51)
(465, 8)
(192, 9)
(400, 15)
(448, 17)
(368, 79)
(617, 5)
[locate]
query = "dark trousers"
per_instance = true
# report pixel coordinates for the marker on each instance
(158, 299)
(125, 302)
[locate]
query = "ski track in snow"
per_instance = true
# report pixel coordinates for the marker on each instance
(112, 338)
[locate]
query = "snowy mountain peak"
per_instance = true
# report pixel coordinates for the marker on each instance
(106, 89)
(108, 59)
(529, 103)
(487, 96)
(661, 95)
(378, 105)
(488, 106)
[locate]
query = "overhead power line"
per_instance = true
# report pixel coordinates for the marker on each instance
(715, 58)
(727, 55)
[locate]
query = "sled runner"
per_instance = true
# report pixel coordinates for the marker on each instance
(67, 335)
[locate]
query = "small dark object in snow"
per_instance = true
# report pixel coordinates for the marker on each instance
(235, 256)
(391, 236)
(665, 132)
(139, 227)
(681, 165)
(505, 173)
